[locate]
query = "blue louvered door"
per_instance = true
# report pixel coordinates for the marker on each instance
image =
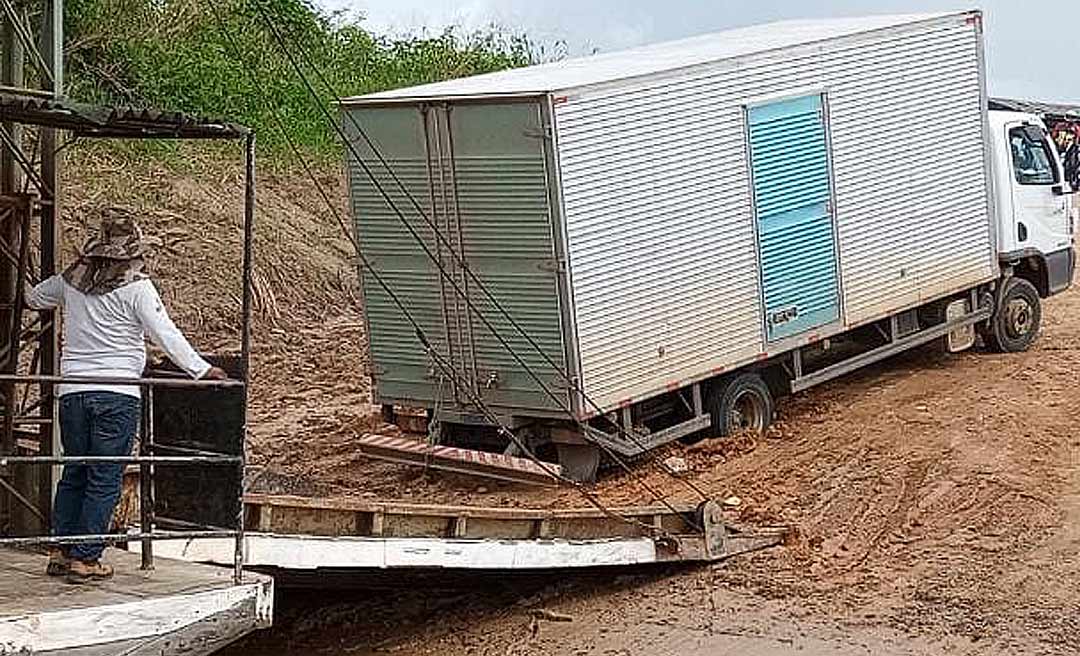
(789, 158)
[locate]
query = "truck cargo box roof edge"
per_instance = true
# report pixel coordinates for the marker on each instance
(668, 56)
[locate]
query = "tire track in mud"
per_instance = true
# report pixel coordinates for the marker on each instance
(934, 495)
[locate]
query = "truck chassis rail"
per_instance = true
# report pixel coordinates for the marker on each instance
(895, 346)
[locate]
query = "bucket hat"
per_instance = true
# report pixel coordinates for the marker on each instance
(119, 238)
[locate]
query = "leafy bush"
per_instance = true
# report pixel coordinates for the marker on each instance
(218, 58)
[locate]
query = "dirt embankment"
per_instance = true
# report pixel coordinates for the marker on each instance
(309, 372)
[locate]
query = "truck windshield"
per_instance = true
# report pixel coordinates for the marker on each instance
(1031, 158)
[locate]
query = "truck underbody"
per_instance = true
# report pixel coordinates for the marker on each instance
(742, 399)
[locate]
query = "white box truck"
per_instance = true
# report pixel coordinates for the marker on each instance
(626, 249)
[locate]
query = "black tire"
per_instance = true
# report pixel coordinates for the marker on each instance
(1015, 323)
(741, 402)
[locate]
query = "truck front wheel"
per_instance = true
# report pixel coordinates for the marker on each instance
(740, 403)
(1015, 323)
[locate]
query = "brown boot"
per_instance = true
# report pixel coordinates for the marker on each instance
(59, 563)
(82, 571)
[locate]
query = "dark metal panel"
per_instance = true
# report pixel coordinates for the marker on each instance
(400, 369)
(500, 176)
(208, 420)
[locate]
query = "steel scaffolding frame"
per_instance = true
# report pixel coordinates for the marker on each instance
(33, 111)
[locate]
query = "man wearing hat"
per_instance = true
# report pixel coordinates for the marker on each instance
(110, 308)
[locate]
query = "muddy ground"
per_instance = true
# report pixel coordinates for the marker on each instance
(937, 497)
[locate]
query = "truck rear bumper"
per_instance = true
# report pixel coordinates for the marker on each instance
(1060, 267)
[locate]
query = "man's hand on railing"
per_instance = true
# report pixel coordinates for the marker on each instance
(215, 373)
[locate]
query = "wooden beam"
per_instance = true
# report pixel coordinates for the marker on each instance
(462, 461)
(286, 515)
(284, 500)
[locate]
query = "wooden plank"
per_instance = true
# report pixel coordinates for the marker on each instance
(390, 507)
(463, 461)
(265, 523)
(298, 552)
(310, 521)
(418, 526)
(203, 638)
(344, 517)
(42, 614)
(505, 529)
(360, 553)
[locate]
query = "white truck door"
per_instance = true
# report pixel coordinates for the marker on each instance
(1040, 207)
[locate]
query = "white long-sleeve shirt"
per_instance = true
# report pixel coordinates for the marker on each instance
(105, 334)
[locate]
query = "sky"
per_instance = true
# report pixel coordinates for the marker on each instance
(1031, 44)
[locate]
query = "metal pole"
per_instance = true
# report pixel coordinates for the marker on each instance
(52, 47)
(25, 91)
(185, 383)
(52, 51)
(113, 538)
(23, 216)
(444, 304)
(89, 460)
(25, 164)
(12, 76)
(245, 341)
(146, 480)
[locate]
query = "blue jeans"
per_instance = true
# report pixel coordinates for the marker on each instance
(92, 424)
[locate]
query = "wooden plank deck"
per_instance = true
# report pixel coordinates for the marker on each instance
(178, 608)
(284, 514)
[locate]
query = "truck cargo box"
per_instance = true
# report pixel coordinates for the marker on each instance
(657, 216)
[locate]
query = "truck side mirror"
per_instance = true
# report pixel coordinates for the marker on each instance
(1058, 190)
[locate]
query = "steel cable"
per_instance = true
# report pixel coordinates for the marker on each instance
(422, 337)
(459, 258)
(464, 265)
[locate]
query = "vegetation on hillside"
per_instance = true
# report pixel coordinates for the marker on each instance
(219, 58)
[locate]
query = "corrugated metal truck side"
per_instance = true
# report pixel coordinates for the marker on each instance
(638, 246)
(673, 266)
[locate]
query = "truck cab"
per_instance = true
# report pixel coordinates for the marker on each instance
(1035, 223)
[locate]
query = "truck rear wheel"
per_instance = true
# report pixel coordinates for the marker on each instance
(1015, 323)
(740, 403)
(579, 462)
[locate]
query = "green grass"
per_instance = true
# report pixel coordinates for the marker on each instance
(221, 60)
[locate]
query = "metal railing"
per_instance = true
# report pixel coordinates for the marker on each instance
(147, 460)
(49, 119)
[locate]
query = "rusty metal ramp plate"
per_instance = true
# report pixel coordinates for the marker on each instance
(462, 461)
